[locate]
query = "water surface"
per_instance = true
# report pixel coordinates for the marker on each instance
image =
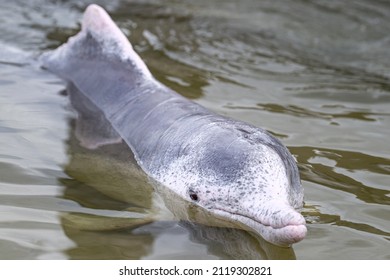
(314, 73)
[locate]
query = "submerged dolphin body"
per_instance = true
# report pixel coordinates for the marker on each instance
(232, 169)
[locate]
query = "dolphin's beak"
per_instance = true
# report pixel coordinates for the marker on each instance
(276, 221)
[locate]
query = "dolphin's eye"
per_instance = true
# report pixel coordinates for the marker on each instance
(193, 196)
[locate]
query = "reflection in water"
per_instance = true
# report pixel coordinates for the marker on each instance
(108, 188)
(110, 245)
(230, 243)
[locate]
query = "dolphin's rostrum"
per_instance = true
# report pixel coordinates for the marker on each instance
(232, 169)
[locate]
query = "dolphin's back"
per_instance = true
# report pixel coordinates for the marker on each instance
(101, 63)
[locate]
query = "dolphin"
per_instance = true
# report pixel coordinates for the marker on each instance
(229, 168)
(137, 206)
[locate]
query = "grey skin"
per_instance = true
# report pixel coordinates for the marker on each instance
(231, 169)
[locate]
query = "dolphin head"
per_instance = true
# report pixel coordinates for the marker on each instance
(255, 185)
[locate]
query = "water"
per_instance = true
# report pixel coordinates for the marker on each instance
(314, 73)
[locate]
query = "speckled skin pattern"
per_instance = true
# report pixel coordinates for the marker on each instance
(232, 169)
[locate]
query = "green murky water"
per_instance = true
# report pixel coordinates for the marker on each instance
(315, 73)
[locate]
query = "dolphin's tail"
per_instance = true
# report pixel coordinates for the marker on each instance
(99, 40)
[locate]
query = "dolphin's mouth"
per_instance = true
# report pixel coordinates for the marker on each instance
(285, 233)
